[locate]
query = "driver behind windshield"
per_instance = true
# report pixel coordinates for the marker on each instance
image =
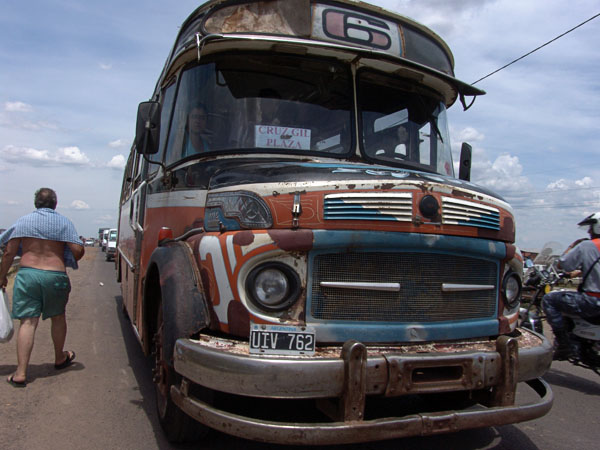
(196, 130)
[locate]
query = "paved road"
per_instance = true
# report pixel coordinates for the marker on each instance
(106, 399)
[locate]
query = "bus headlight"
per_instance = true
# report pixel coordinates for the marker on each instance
(235, 211)
(511, 289)
(273, 286)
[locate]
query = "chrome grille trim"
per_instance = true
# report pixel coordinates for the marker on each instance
(471, 214)
(368, 206)
(450, 287)
(389, 287)
(470, 282)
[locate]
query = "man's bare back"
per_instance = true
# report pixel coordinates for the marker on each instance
(44, 254)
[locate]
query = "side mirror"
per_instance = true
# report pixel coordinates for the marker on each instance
(464, 170)
(147, 130)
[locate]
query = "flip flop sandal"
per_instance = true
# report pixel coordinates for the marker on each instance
(17, 384)
(70, 356)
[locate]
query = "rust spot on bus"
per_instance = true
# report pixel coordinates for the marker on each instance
(243, 238)
(299, 240)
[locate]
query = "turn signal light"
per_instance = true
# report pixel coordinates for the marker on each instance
(165, 233)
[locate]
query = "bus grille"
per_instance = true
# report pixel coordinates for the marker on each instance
(368, 206)
(420, 297)
(470, 214)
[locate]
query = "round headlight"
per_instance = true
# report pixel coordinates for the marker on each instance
(273, 286)
(512, 290)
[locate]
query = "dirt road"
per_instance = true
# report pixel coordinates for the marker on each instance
(95, 404)
(106, 399)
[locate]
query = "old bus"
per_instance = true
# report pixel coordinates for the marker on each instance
(295, 248)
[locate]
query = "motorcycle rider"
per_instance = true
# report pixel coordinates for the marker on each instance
(583, 254)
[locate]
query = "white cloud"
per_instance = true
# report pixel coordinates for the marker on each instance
(117, 162)
(118, 143)
(561, 184)
(502, 175)
(79, 205)
(35, 157)
(470, 134)
(17, 107)
(106, 66)
(39, 125)
(71, 155)
(585, 182)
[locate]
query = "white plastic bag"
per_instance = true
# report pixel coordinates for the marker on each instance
(6, 323)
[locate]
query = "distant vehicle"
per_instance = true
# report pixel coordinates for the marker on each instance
(111, 246)
(89, 242)
(105, 239)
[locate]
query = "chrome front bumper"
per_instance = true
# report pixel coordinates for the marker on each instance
(350, 373)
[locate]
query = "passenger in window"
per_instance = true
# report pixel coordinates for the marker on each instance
(269, 107)
(196, 141)
(401, 148)
(395, 144)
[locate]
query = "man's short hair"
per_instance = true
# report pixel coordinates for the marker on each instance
(45, 198)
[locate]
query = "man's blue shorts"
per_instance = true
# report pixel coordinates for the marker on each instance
(40, 292)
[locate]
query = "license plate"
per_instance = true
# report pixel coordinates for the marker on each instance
(282, 340)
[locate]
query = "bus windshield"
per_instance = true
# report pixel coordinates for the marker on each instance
(246, 103)
(401, 125)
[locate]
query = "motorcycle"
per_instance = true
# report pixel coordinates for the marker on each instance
(584, 333)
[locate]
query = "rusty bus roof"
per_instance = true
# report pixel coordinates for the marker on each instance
(296, 22)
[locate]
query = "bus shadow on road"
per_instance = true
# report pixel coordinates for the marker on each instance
(567, 380)
(141, 366)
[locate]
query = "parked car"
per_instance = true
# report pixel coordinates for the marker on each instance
(111, 246)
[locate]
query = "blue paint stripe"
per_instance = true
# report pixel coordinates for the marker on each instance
(393, 332)
(479, 225)
(391, 241)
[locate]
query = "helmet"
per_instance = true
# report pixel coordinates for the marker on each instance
(593, 222)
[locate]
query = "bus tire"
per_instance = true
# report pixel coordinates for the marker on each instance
(177, 425)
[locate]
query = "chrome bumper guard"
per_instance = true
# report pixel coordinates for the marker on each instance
(353, 376)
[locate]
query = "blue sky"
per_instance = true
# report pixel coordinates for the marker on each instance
(73, 72)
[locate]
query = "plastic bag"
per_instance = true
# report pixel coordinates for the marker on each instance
(6, 323)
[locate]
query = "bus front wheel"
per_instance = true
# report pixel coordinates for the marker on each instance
(177, 425)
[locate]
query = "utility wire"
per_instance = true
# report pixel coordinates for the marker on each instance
(516, 194)
(536, 49)
(557, 205)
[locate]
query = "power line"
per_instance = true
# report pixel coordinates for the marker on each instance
(536, 49)
(517, 194)
(558, 205)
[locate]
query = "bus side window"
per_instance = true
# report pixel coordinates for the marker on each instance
(425, 144)
(189, 95)
(128, 176)
(167, 97)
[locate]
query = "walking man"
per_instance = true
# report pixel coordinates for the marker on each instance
(47, 243)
